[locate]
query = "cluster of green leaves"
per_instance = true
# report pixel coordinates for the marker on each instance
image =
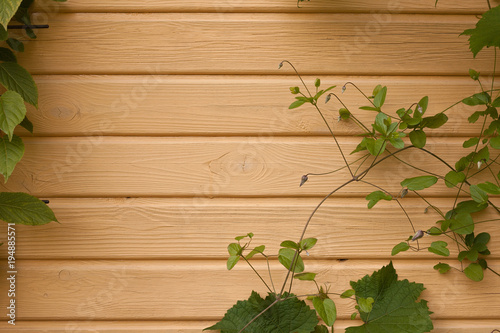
(20, 88)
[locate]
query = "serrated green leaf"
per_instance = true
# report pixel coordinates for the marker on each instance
(418, 138)
(308, 243)
(305, 276)
(439, 248)
(396, 308)
(22, 208)
(462, 224)
(452, 178)
(326, 309)
(442, 268)
(376, 196)
(486, 33)
(16, 78)
(419, 183)
(348, 293)
(9, 8)
(285, 257)
(474, 272)
(290, 244)
(478, 195)
(11, 153)
(7, 55)
(12, 112)
(403, 246)
(289, 315)
(379, 99)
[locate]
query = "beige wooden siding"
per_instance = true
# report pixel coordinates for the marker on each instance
(163, 132)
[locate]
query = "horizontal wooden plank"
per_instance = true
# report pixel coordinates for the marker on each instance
(201, 228)
(187, 290)
(440, 326)
(180, 43)
(322, 6)
(228, 105)
(98, 166)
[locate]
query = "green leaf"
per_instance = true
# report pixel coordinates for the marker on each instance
(344, 113)
(290, 244)
(380, 97)
(435, 121)
(369, 108)
(481, 98)
(289, 315)
(9, 8)
(249, 235)
(27, 124)
(473, 74)
(439, 248)
(486, 33)
(305, 276)
(15, 44)
(474, 272)
(496, 102)
(442, 268)
(489, 187)
(7, 55)
(22, 208)
(296, 104)
(317, 83)
(285, 257)
(380, 123)
(478, 195)
(12, 111)
(419, 183)
(376, 196)
(452, 178)
(258, 249)
(308, 243)
(482, 238)
(234, 249)
(11, 153)
(396, 308)
(348, 293)
(397, 142)
(403, 246)
(424, 102)
(365, 304)
(232, 261)
(326, 310)
(3, 33)
(14, 77)
(495, 142)
(320, 329)
(375, 147)
(471, 142)
(462, 224)
(418, 138)
(469, 206)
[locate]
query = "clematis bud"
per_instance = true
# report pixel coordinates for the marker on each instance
(303, 180)
(419, 234)
(403, 193)
(343, 88)
(281, 65)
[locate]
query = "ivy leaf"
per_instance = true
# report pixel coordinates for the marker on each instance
(486, 33)
(396, 308)
(419, 183)
(376, 196)
(403, 246)
(14, 77)
(439, 248)
(11, 153)
(326, 309)
(12, 112)
(442, 268)
(289, 315)
(285, 257)
(9, 8)
(22, 208)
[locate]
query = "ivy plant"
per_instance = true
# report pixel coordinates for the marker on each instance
(385, 303)
(20, 89)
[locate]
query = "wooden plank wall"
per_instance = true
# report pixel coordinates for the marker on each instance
(163, 132)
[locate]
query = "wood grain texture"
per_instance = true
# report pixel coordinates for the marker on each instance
(195, 228)
(281, 6)
(180, 43)
(440, 326)
(177, 290)
(228, 105)
(199, 167)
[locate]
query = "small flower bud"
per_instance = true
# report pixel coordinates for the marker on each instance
(343, 88)
(328, 98)
(419, 234)
(281, 65)
(403, 193)
(294, 90)
(303, 180)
